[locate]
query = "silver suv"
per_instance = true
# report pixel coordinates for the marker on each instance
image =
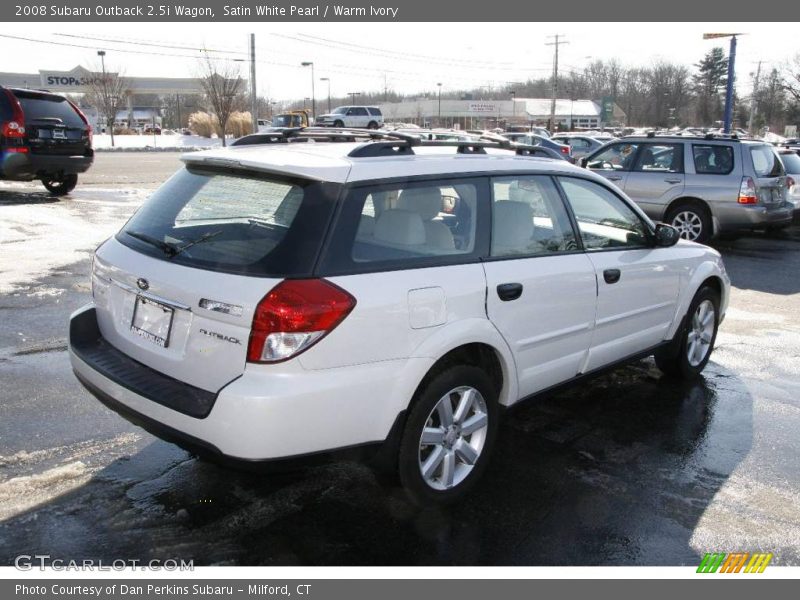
(702, 185)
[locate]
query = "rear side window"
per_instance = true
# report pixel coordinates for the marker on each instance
(39, 108)
(791, 162)
(375, 112)
(712, 159)
(765, 162)
(358, 111)
(233, 222)
(407, 225)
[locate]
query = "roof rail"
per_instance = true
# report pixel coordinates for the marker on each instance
(699, 136)
(388, 143)
(401, 147)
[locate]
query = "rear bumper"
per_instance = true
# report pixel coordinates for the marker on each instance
(732, 216)
(24, 167)
(261, 417)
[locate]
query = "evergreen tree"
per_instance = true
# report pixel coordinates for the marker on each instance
(709, 85)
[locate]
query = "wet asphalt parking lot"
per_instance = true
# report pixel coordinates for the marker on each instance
(630, 469)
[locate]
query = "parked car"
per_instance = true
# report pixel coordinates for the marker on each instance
(369, 117)
(791, 164)
(580, 144)
(43, 136)
(285, 300)
(533, 139)
(702, 185)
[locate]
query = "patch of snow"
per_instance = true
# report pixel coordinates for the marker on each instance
(122, 143)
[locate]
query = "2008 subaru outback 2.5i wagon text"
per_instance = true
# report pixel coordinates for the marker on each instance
(288, 299)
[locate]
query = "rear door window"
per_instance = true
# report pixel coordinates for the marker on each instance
(43, 109)
(234, 222)
(375, 112)
(529, 218)
(408, 225)
(710, 159)
(765, 162)
(660, 158)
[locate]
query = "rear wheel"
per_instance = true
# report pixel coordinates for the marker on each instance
(692, 222)
(372, 125)
(448, 436)
(338, 123)
(61, 186)
(689, 353)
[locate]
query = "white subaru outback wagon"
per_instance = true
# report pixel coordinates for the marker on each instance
(291, 299)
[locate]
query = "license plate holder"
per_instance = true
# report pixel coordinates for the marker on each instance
(152, 320)
(59, 134)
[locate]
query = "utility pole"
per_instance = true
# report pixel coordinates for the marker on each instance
(253, 94)
(753, 100)
(557, 41)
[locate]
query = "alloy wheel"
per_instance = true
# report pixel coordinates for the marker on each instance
(701, 333)
(688, 224)
(453, 438)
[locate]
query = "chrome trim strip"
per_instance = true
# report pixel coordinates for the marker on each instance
(149, 296)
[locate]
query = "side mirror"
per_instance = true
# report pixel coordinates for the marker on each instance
(584, 161)
(666, 235)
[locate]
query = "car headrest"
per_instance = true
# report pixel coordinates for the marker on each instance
(513, 224)
(398, 226)
(426, 201)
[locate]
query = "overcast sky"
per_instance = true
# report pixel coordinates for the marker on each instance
(407, 57)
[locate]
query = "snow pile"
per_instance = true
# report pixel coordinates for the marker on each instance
(153, 143)
(21, 494)
(43, 234)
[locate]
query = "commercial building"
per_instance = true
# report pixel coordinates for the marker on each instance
(476, 114)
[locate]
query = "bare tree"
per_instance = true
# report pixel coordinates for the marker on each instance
(223, 86)
(791, 78)
(108, 92)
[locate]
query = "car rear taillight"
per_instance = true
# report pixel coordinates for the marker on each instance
(565, 150)
(747, 191)
(83, 118)
(14, 130)
(295, 315)
(790, 182)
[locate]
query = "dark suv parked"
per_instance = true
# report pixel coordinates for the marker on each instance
(43, 136)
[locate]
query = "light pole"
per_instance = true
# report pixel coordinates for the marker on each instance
(728, 117)
(439, 118)
(102, 55)
(353, 96)
(329, 90)
(308, 63)
(513, 105)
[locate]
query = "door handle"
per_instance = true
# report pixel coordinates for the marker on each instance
(611, 275)
(509, 291)
(674, 180)
(614, 178)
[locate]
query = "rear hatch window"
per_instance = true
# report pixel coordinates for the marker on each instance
(765, 162)
(46, 108)
(234, 222)
(5, 107)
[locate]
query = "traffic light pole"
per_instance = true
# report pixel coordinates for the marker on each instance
(728, 118)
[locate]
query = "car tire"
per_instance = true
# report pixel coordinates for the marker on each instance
(690, 350)
(61, 187)
(692, 222)
(372, 125)
(338, 123)
(443, 452)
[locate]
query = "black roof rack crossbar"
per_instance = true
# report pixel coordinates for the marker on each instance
(400, 147)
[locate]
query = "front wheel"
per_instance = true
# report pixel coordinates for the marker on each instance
(688, 356)
(449, 435)
(692, 222)
(372, 125)
(338, 124)
(61, 186)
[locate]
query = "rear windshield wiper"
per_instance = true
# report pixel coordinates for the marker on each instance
(203, 238)
(168, 249)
